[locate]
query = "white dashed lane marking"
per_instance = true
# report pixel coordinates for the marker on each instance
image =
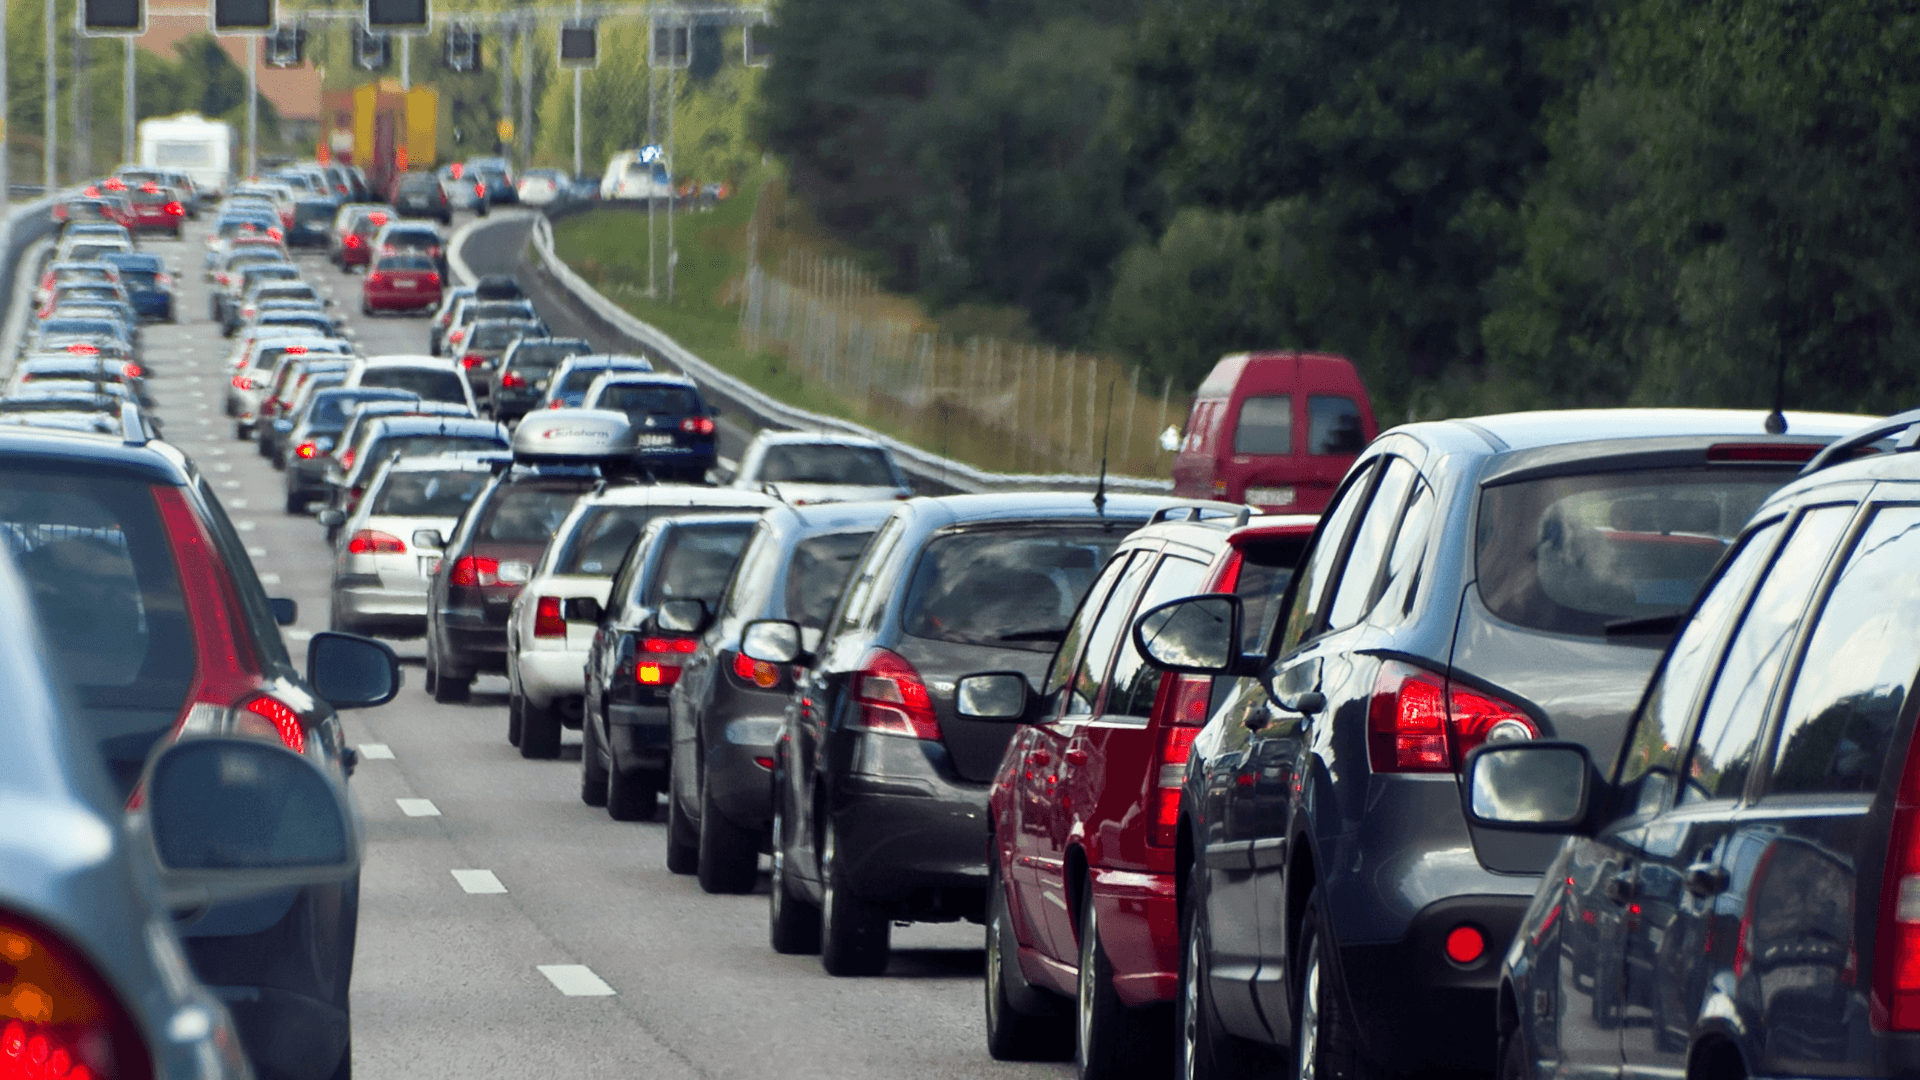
(575, 980)
(375, 751)
(418, 807)
(257, 552)
(269, 578)
(478, 881)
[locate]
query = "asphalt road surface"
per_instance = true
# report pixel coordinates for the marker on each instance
(644, 976)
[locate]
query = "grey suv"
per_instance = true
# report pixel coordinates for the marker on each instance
(1496, 579)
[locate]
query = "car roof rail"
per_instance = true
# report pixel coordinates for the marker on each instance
(1843, 449)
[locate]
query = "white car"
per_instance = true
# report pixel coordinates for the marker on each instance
(801, 468)
(541, 187)
(547, 651)
(433, 378)
(394, 541)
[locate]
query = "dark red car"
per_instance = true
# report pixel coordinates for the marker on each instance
(354, 247)
(403, 282)
(157, 209)
(1276, 430)
(1085, 808)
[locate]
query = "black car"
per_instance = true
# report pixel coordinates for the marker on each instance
(485, 342)
(725, 709)
(153, 616)
(310, 439)
(420, 195)
(520, 379)
(673, 430)
(1474, 581)
(312, 222)
(1737, 896)
(880, 786)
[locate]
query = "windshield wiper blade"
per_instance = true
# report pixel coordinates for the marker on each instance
(1651, 624)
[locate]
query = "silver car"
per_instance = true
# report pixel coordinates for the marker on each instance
(805, 467)
(394, 540)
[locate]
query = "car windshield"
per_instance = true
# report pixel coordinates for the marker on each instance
(429, 494)
(140, 279)
(330, 411)
(1571, 554)
(385, 446)
(818, 572)
(1006, 588)
(543, 358)
(826, 463)
(528, 512)
(315, 211)
(696, 562)
(432, 384)
(578, 379)
(404, 262)
(499, 335)
(649, 399)
(604, 533)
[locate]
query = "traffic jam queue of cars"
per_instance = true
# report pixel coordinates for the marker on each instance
(1545, 744)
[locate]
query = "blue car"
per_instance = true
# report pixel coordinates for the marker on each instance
(149, 286)
(569, 386)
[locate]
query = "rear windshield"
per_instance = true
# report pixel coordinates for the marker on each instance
(1007, 588)
(580, 378)
(100, 571)
(545, 358)
(150, 198)
(415, 238)
(143, 278)
(499, 335)
(414, 185)
(315, 211)
(415, 445)
(649, 399)
(1571, 554)
(330, 411)
(1266, 425)
(429, 494)
(696, 562)
(825, 463)
(405, 262)
(818, 572)
(432, 384)
(529, 512)
(601, 540)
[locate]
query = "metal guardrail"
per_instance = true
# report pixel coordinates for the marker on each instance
(776, 414)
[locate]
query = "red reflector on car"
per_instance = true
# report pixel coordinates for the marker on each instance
(277, 721)
(1465, 944)
(1763, 453)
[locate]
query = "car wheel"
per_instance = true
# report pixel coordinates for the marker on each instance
(729, 853)
(1204, 1050)
(447, 687)
(344, 1070)
(631, 796)
(241, 431)
(539, 731)
(853, 935)
(1326, 1046)
(1110, 1039)
(296, 503)
(683, 850)
(1513, 1061)
(593, 776)
(513, 719)
(793, 925)
(1023, 1024)
(366, 309)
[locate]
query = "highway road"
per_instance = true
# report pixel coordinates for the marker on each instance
(506, 929)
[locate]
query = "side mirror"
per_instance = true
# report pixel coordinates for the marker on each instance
(776, 641)
(331, 517)
(1529, 786)
(996, 695)
(350, 671)
(1170, 439)
(231, 818)
(285, 611)
(428, 538)
(685, 616)
(583, 609)
(1196, 636)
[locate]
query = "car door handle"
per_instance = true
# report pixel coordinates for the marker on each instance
(1706, 879)
(1076, 757)
(1620, 887)
(1039, 757)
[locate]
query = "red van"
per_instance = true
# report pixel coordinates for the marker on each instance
(1275, 429)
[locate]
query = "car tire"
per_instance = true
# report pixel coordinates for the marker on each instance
(1513, 1060)
(1023, 1024)
(1203, 1049)
(1112, 1040)
(593, 777)
(1326, 1043)
(631, 796)
(366, 309)
(793, 924)
(296, 503)
(729, 853)
(854, 936)
(539, 731)
(344, 1069)
(683, 851)
(447, 687)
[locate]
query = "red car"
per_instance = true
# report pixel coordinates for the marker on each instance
(1082, 909)
(355, 246)
(1275, 430)
(403, 282)
(157, 209)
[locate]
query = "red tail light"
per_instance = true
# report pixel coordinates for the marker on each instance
(1186, 698)
(306, 450)
(480, 190)
(698, 425)
(757, 672)
(132, 370)
(455, 170)
(556, 403)
(892, 697)
(375, 542)
(346, 460)
(512, 379)
(471, 570)
(376, 278)
(294, 350)
(376, 218)
(176, 210)
(275, 233)
(1418, 721)
(547, 620)
(62, 1019)
(658, 664)
(351, 240)
(472, 360)
(1896, 938)
(433, 279)
(270, 719)
(241, 382)
(150, 188)
(81, 348)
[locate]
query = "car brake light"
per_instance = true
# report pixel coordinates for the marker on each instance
(346, 459)
(294, 350)
(375, 542)
(1762, 453)
(456, 336)
(227, 669)
(163, 281)
(758, 672)
(176, 209)
(892, 697)
(697, 425)
(351, 240)
(662, 673)
(1895, 1002)
(273, 232)
(511, 379)
(480, 190)
(241, 382)
(472, 360)
(81, 348)
(132, 370)
(306, 450)
(556, 403)
(433, 279)
(1187, 698)
(547, 620)
(473, 570)
(376, 278)
(62, 1019)
(1418, 721)
(267, 718)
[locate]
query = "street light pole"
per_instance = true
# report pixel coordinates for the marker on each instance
(53, 109)
(673, 167)
(406, 62)
(127, 111)
(526, 96)
(253, 104)
(577, 166)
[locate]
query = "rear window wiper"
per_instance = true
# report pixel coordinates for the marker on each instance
(1650, 624)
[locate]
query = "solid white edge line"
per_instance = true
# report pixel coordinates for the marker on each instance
(478, 881)
(575, 980)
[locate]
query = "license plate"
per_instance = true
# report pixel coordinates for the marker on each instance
(429, 565)
(654, 440)
(406, 284)
(539, 384)
(515, 573)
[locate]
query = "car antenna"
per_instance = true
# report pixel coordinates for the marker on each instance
(1100, 490)
(1777, 419)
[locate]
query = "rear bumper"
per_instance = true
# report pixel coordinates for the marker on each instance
(638, 737)
(472, 645)
(913, 841)
(398, 300)
(1139, 917)
(742, 787)
(547, 675)
(382, 604)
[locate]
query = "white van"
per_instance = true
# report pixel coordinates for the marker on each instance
(628, 177)
(192, 144)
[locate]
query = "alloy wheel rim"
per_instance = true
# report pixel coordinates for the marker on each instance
(779, 883)
(994, 972)
(1190, 1008)
(826, 874)
(1089, 941)
(1308, 1036)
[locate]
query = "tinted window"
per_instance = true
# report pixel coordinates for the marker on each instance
(1266, 426)
(1266, 569)
(1333, 425)
(649, 399)
(1571, 554)
(825, 463)
(695, 563)
(858, 598)
(579, 378)
(429, 494)
(100, 571)
(1103, 637)
(497, 335)
(313, 211)
(416, 238)
(526, 513)
(818, 572)
(753, 575)
(1401, 584)
(1357, 590)
(1320, 561)
(1013, 588)
(1135, 682)
(385, 447)
(1737, 702)
(1082, 625)
(604, 533)
(1859, 665)
(391, 263)
(545, 358)
(1652, 752)
(429, 383)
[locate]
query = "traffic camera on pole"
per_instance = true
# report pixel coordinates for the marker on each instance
(244, 16)
(371, 51)
(115, 18)
(579, 45)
